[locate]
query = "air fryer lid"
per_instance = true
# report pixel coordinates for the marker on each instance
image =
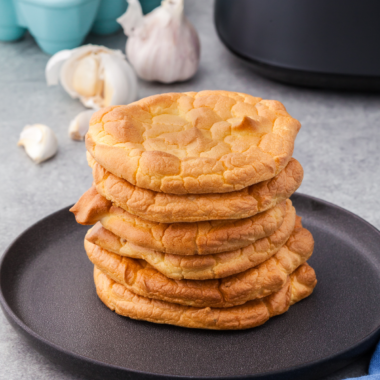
(332, 37)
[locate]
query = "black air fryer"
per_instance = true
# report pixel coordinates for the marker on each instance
(321, 43)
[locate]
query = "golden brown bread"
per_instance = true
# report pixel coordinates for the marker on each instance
(184, 143)
(199, 238)
(299, 285)
(170, 208)
(197, 267)
(140, 278)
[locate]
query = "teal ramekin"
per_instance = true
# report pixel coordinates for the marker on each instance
(10, 29)
(62, 24)
(58, 24)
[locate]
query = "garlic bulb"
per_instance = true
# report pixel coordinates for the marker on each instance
(98, 76)
(39, 142)
(163, 45)
(79, 125)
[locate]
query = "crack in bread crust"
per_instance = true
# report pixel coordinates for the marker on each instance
(196, 267)
(194, 143)
(118, 298)
(142, 279)
(200, 238)
(170, 208)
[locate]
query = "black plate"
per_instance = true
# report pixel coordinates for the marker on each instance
(47, 294)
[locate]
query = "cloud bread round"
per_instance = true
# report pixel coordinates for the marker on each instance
(197, 267)
(142, 279)
(193, 143)
(299, 285)
(170, 208)
(199, 238)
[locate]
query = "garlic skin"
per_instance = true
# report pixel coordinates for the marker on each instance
(39, 141)
(162, 46)
(54, 65)
(98, 76)
(79, 125)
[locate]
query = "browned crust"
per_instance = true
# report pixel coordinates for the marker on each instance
(191, 143)
(267, 278)
(201, 238)
(170, 208)
(197, 267)
(90, 207)
(254, 313)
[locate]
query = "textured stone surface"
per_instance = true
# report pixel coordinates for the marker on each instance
(338, 146)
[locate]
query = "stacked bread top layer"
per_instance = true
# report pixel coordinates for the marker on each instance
(298, 285)
(194, 143)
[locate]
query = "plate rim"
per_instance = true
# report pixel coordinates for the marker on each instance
(27, 332)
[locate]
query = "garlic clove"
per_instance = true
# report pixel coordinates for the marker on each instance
(39, 141)
(79, 125)
(98, 76)
(71, 65)
(162, 46)
(120, 82)
(54, 66)
(85, 78)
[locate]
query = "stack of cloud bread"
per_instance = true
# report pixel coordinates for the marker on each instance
(193, 225)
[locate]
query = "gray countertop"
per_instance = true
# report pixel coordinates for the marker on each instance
(338, 146)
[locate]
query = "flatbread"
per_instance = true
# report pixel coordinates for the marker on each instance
(142, 279)
(194, 143)
(197, 267)
(170, 208)
(299, 285)
(201, 238)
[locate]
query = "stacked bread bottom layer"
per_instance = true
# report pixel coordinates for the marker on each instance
(117, 297)
(158, 258)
